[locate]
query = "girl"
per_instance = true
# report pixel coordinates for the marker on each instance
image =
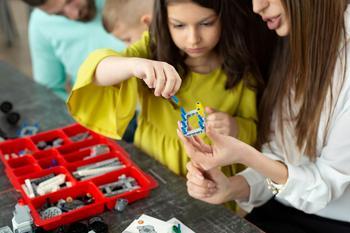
(198, 52)
(301, 180)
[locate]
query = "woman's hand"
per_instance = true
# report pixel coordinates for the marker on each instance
(224, 150)
(158, 75)
(214, 187)
(221, 122)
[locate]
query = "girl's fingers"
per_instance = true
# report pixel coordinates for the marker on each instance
(170, 82)
(177, 83)
(160, 80)
(149, 77)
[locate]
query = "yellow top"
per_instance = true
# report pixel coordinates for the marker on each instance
(108, 110)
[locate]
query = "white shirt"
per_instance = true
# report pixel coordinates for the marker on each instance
(321, 187)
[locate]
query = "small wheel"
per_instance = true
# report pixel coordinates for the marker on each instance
(6, 106)
(13, 118)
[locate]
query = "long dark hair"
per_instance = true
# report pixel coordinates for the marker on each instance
(240, 53)
(303, 70)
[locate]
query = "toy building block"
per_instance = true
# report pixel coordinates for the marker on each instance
(199, 112)
(50, 212)
(98, 150)
(104, 163)
(22, 221)
(97, 169)
(80, 137)
(175, 100)
(97, 225)
(28, 130)
(6, 229)
(124, 184)
(51, 184)
(121, 204)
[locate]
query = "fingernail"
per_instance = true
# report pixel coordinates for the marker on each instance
(211, 185)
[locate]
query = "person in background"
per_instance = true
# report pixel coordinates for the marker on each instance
(61, 35)
(128, 27)
(300, 181)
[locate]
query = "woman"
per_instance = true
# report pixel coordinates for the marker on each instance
(299, 182)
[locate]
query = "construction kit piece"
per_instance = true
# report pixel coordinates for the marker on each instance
(64, 205)
(185, 128)
(28, 130)
(98, 169)
(97, 225)
(11, 116)
(175, 100)
(81, 137)
(6, 229)
(123, 185)
(44, 185)
(45, 145)
(51, 212)
(121, 204)
(98, 150)
(22, 221)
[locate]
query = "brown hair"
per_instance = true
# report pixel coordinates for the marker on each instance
(303, 69)
(35, 3)
(130, 11)
(241, 54)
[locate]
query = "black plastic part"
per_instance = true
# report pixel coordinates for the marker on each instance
(78, 227)
(96, 224)
(6, 106)
(13, 118)
(3, 134)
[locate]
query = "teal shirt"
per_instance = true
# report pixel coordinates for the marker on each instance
(58, 46)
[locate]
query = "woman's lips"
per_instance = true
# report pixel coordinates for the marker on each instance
(273, 23)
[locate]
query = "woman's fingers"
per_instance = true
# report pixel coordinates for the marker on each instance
(199, 191)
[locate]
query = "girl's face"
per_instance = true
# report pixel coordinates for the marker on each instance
(274, 14)
(194, 29)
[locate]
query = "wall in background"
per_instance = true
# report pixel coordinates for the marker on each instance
(18, 54)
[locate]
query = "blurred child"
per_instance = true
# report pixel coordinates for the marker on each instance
(127, 19)
(196, 50)
(127, 27)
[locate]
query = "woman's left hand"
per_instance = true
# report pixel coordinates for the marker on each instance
(225, 150)
(221, 122)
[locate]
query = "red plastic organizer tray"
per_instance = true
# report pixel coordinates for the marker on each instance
(25, 158)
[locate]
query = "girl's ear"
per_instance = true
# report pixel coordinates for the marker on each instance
(146, 19)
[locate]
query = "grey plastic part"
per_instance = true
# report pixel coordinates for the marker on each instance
(22, 221)
(6, 229)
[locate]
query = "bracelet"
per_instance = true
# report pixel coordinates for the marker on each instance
(275, 188)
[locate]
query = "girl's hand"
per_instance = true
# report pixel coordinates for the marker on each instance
(225, 150)
(158, 75)
(221, 122)
(214, 189)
